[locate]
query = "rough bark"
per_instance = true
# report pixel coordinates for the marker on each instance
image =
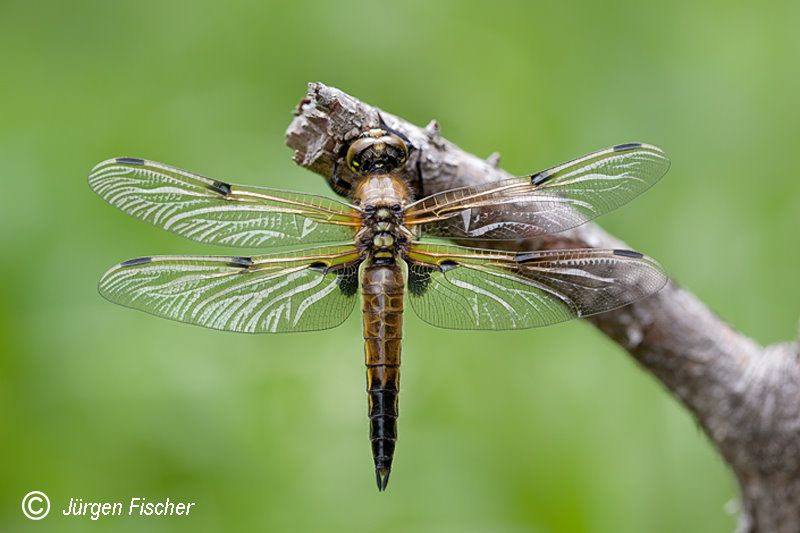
(745, 397)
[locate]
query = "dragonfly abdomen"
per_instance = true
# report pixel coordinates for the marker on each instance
(382, 289)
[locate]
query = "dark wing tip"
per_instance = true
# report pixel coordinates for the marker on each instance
(626, 147)
(97, 171)
(130, 160)
(628, 253)
(136, 261)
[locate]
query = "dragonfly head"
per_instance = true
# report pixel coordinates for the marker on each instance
(376, 150)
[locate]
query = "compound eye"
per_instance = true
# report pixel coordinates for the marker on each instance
(395, 207)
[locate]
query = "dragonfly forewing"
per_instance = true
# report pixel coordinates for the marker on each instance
(217, 212)
(550, 201)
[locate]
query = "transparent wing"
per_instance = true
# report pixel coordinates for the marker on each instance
(550, 201)
(305, 290)
(465, 288)
(216, 212)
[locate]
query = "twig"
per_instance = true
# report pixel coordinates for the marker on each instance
(744, 396)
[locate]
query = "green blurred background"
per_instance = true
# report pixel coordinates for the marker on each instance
(552, 430)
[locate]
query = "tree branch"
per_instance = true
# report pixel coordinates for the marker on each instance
(744, 396)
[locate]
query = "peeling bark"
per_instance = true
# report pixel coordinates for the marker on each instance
(745, 397)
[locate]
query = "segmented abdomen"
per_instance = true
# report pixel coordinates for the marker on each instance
(382, 289)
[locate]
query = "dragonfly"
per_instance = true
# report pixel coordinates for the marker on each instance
(372, 243)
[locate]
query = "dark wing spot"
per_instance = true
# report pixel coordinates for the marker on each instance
(540, 177)
(136, 261)
(348, 281)
(524, 257)
(446, 265)
(130, 160)
(628, 253)
(627, 146)
(220, 187)
(241, 262)
(419, 277)
(319, 266)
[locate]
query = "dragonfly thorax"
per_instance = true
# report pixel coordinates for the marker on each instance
(383, 233)
(382, 199)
